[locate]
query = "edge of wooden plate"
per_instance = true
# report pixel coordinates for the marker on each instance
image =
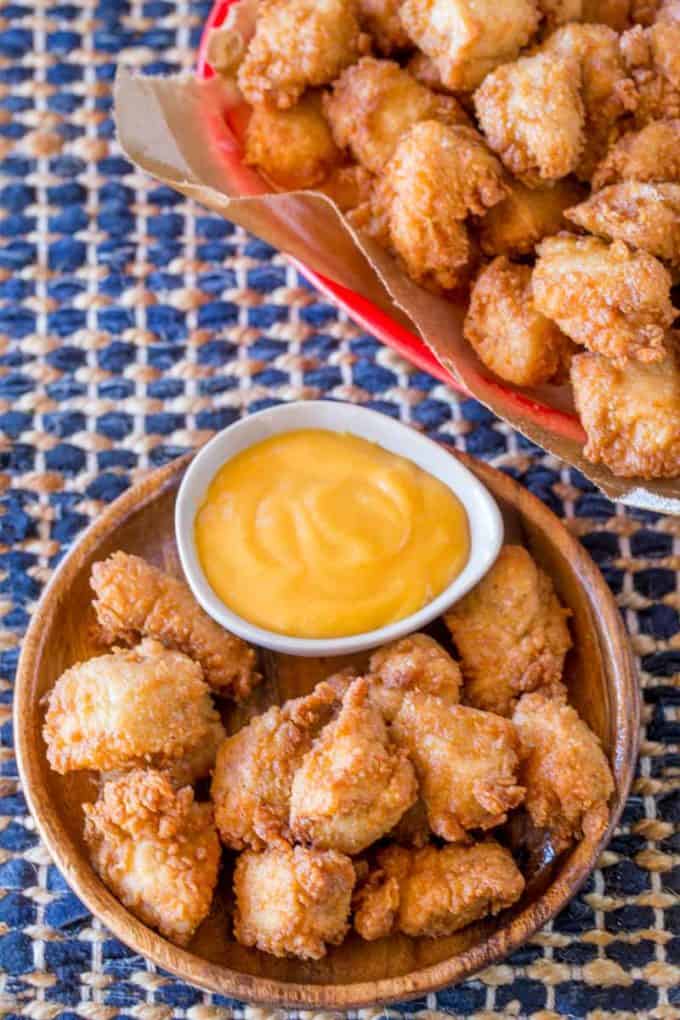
(213, 977)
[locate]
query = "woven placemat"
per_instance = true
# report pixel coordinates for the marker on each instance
(132, 325)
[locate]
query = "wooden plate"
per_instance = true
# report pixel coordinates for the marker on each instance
(602, 684)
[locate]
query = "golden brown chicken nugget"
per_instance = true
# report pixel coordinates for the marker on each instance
(255, 767)
(145, 704)
(527, 215)
(435, 891)
(437, 176)
(354, 784)
(468, 38)
(532, 115)
(509, 335)
(133, 598)
(650, 154)
(380, 18)
(156, 850)
(298, 44)
(348, 186)
(292, 901)
(652, 58)
(631, 414)
(607, 91)
(645, 216)
(511, 633)
(414, 663)
(466, 762)
(610, 299)
(293, 148)
(374, 102)
(567, 777)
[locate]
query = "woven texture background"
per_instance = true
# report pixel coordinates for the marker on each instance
(132, 325)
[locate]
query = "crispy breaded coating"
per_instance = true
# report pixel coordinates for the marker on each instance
(200, 762)
(468, 38)
(435, 891)
(292, 901)
(293, 148)
(509, 335)
(374, 103)
(354, 785)
(413, 828)
(298, 44)
(131, 707)
(567, 777)
(424, 70)
(616, 14)
(133, 598)
(631, 414)
(650, 154)
(156, 850)
(349, 186)
(532, 115)
(380, 18)
(652, 57)
(466, 762)
(255, 767)
(414, 663)
(645, 216)
(527, 215)
(511, 633)
(610, 299)
(437, 176)
(608, 93)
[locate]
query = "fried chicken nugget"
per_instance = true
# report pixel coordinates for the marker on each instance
(298, 44)
(143, 705)
(293, 148)
(511, 633)
(631, 414)
(532, 115)
(607, 91)
(567, 777)
(255, 767)
(380, 18)
(434, 892)
(156, 850)
(650, 154)
(645, 216)
(466, 762)
(509, 335)
(616, 14)
(416, 662)
(527, 215)
(349, 186)
(133, 598)
(374, 102)
(354, 784)
(468, 38)
(292, 901)
(652, 57)
(438, 175)
(610, 299)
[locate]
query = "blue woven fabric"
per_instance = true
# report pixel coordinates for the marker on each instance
(132, 325)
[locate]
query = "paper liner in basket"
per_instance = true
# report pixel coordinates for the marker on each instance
(179, 130)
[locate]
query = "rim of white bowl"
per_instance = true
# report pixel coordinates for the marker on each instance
(484, 518)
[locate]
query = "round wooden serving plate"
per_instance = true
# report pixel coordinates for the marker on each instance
(602, 685)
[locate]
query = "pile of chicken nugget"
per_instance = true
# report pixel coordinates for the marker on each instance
(524, 151)
(387, 802)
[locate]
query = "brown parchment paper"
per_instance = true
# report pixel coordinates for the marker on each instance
(179, 130)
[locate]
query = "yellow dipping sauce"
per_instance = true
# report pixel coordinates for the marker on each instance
(318, 534)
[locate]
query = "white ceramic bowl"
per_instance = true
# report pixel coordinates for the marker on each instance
(486, 526)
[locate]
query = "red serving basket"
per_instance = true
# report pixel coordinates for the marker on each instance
(386, 329)
(370, 318)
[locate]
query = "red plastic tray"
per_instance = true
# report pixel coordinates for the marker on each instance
(370, 318)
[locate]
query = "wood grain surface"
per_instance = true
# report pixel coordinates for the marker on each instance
(602, 685)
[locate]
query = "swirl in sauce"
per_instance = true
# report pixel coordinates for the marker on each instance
(319, 534)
